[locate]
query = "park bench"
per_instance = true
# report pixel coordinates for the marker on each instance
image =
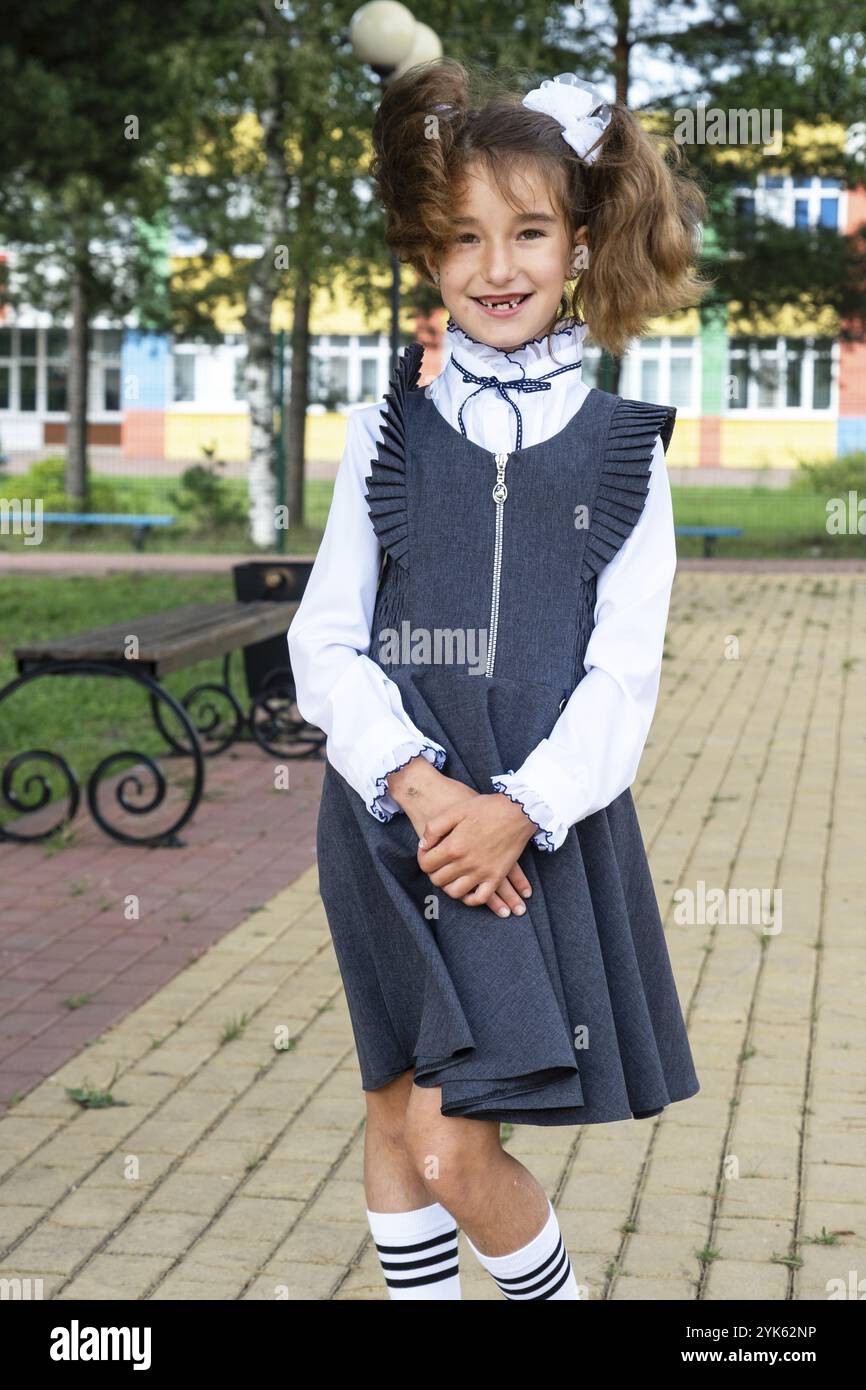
(140, 524)
(146, 649)
(710, 534)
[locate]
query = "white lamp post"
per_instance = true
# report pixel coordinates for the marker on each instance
(387, 36)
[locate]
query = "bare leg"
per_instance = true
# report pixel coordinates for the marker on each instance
(490, 1194)
(391, 1180)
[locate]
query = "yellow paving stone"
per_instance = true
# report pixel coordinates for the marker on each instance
(14, 1221)
(830, 1269)
(73, 1146)
(262, 1218)
(749, 1238)
(157, 1233)
(96, 1206)
(248, 1256)
(647, 1290)
(847, 1220)
(663, 1256)
(33, 1186)
(21, 1135)
(310, 1145)
(745, 1281)
(284, 1178)
(195, 1282)
(660, 1213)
(590, 1230)
(303, 1283)
(230, 1160)
(127, 1166)
(121, 1277)
(597, 1192)
(195, 1193)
(56, 1249)
(761, 1160)
(838, 1182)
(320, 1242)
(339, 1201)
(259, 1127)
(681, 1177)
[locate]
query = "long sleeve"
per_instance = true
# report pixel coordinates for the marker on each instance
(338, 688)
(594, 749)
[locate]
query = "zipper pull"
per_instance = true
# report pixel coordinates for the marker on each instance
(500, 491)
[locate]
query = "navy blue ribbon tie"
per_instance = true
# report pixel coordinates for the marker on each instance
(502, 388)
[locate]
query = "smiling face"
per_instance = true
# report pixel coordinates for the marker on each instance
(502, 254)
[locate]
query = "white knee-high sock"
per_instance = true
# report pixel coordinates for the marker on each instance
(540, 1269)
(418, 1252)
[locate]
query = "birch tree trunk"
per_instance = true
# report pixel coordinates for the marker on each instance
(263, 289)
(76, 385)
(298, 396)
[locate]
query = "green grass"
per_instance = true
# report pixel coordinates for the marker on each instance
(777, 523)
(151, 495)
(87, 717)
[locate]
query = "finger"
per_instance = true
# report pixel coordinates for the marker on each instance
(440, 825)
(509, 893)
(520, 881)
(488, 893)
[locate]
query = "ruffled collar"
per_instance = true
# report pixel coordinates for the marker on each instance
(532, 358)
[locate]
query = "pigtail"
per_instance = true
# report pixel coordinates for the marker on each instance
(643, 214)
(642, 210)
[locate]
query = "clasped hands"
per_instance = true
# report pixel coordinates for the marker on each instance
(468, 842)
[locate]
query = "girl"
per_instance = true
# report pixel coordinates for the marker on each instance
(487, 694)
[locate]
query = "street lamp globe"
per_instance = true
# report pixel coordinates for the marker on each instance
(382, 33)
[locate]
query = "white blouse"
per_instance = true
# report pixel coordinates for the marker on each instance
(593, 750)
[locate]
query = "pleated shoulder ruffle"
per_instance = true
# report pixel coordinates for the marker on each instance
(386, 485)
(625, 476)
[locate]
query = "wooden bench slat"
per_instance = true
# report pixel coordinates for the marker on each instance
(171, 640)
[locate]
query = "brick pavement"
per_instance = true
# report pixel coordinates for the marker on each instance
(234, 1170)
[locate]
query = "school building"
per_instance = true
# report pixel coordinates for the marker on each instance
(748, 395)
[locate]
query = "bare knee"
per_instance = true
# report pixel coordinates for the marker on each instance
(386, 1110)
(449, 1154)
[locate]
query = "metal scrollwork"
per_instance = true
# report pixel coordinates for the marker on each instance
(27, 807)
(277, 725)
(128, 788)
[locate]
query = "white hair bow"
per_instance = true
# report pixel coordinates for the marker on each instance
(580, 108)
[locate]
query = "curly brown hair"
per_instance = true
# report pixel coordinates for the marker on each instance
(642, 209)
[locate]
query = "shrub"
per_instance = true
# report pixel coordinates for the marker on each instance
(204, 499)
(46, 479)
(834, 477)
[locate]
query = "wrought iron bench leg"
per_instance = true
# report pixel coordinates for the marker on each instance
(23, 801)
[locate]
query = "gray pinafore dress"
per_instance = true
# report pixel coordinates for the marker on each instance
(568, 1014)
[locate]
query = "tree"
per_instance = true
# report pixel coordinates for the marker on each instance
(77, 168)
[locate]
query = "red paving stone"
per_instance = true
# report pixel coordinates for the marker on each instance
(241, 848)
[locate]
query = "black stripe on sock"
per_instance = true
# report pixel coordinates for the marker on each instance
(423, 1279)
(562, 1263)
(449, 1254)
(420, 1245)
(539, 1268)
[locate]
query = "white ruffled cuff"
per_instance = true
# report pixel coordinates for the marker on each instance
(552, 832)
(382, 804)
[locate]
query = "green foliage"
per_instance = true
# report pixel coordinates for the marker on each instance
(204, 499)
(833, 477)
(46, 480)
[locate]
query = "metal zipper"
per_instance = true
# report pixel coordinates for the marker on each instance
(499, 494)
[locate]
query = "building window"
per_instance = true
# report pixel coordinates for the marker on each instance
(369, 378)
(184, 376)
(780, 373)
(804, 201)
(662, 370)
